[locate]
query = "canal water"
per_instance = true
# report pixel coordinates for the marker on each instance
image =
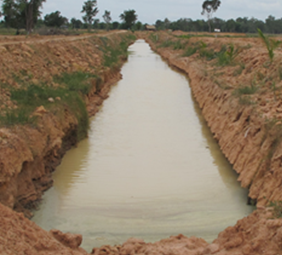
(149, 169)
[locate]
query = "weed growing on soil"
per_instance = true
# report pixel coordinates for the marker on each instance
(78, 81)
(270, 44)
(226, 55)
(70, 92)
(112, 53)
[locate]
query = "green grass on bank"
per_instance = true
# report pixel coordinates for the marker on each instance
(68, 94)
(113, 53)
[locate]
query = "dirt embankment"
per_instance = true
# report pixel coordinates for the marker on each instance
(239, 91)
(29, 153)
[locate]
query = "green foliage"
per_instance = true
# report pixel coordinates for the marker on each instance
(270, 44)
(19, 116)
(107, 18)
(21, 13)
(90, 10)
(70, 91)
(185, 36)
(55, 19)
(78, 81)
(209, 7)
(226, 56)
(114, 52)
(129, 18)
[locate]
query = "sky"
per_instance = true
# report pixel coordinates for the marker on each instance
(148, 11)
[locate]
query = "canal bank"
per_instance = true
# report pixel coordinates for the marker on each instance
(149, 169)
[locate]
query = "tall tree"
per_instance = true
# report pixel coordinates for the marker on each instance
(107, 18)
(90, 10)
(30, 11)
(209, 7)
(19, 13)
(128, 17)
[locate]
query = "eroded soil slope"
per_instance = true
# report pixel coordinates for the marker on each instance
(48, 88)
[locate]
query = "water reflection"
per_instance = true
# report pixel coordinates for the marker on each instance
(146, 170)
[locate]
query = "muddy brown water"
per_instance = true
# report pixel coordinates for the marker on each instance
(149, 169)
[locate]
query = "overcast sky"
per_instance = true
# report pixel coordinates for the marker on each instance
(148, 11)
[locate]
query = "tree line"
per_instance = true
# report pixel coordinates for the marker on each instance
(26, 14)
(240, 25)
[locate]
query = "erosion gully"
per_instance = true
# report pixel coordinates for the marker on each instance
(150, 167)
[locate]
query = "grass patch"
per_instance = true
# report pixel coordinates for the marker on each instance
(78, 81)
(70, 92)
